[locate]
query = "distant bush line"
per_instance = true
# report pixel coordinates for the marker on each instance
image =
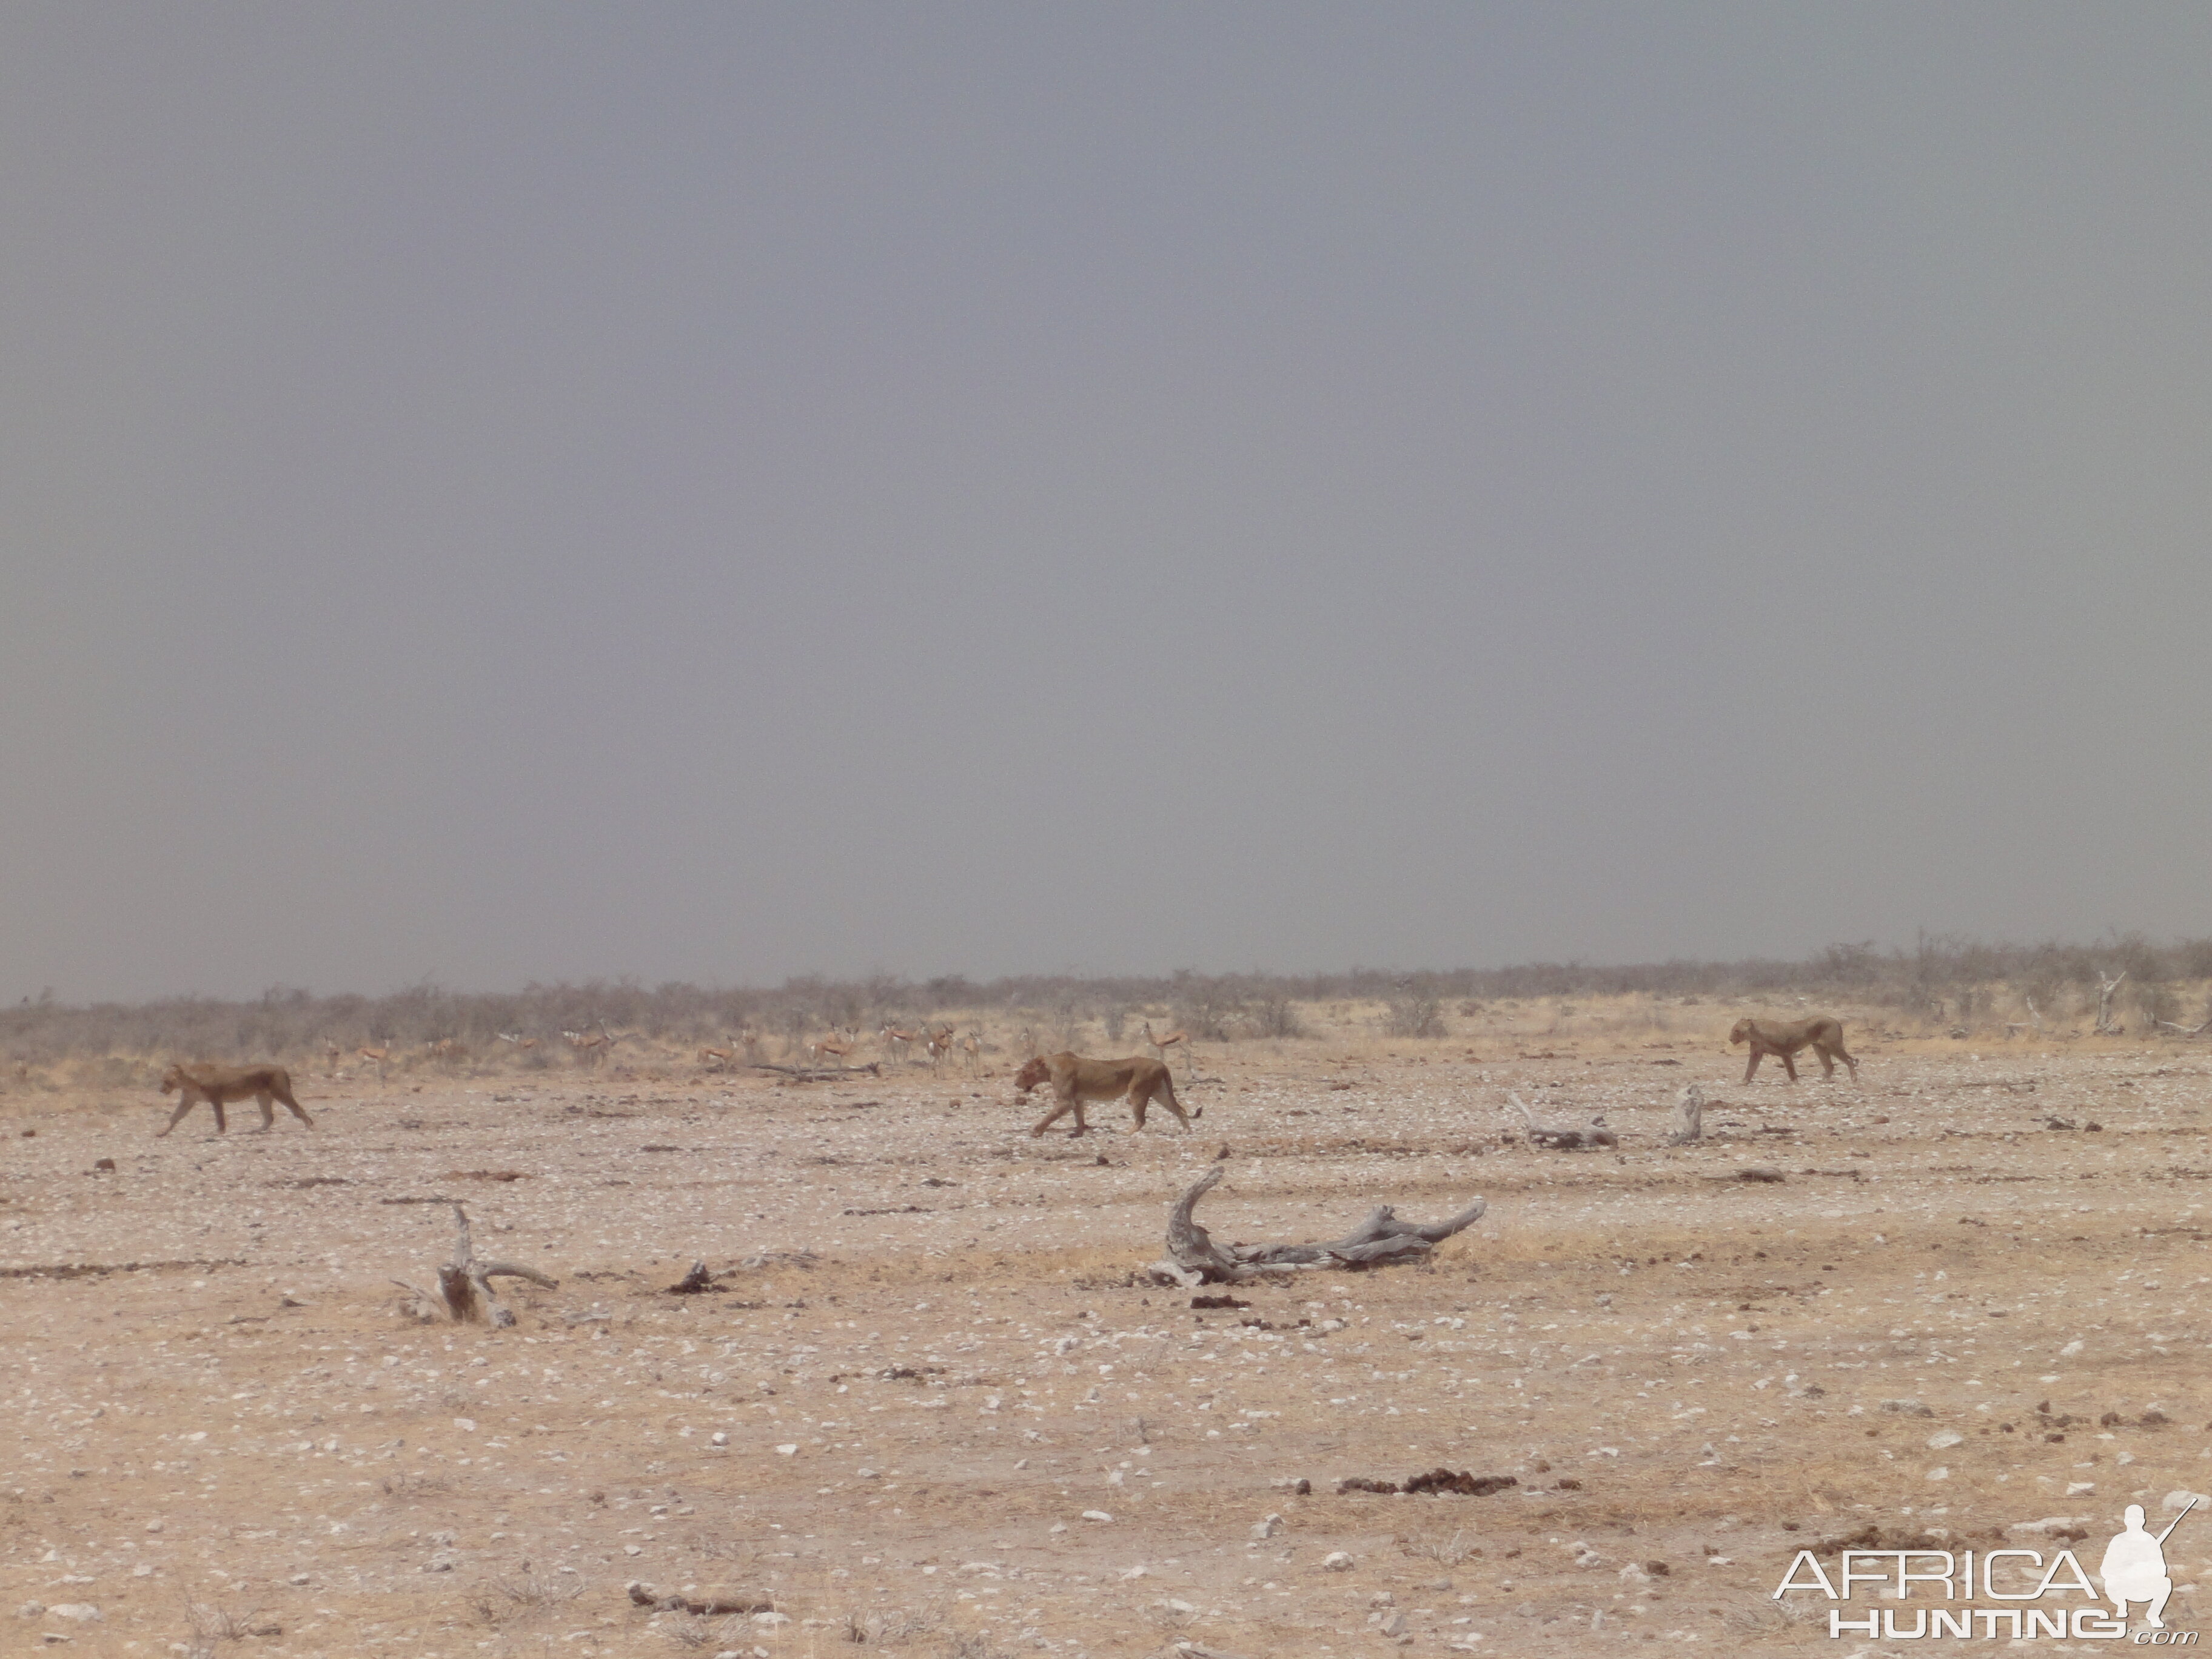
(1939, 977)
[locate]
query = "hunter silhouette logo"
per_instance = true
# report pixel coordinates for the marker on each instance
(2132, 1573)
(2134, 1567)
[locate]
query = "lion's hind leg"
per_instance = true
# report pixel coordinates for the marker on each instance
(1836, 1049)
(297, 1111)
(1167, 1098)
(1789, 1063)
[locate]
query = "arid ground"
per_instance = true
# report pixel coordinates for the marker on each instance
(933, 1404)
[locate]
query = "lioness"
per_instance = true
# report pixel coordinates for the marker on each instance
(217, 1083)
(1784, 1039)
(1075, 1080)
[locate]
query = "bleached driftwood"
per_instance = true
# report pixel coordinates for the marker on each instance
(1691, 1100)
(1565, 1140)
(464, 1290)
(1193, 1258)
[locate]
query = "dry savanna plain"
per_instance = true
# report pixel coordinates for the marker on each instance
(933, 1403)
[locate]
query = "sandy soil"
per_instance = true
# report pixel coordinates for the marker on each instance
(931, 1368)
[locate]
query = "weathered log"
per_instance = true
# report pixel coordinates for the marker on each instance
(465, 1292)
(1194, 1257)
(712, 1607)
(1565, 1140)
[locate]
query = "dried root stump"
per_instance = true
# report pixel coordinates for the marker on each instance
(1193, 1258)
(1691, 1100)
(465, 1292)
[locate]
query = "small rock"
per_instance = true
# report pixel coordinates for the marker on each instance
(1096, 1515)
(770, 1621)
(31, 1610)
(2075, 1488)
(1129, 1573)
(154, 1525)
(1268, 1528)
(300, 1578)
(2070, 1349)
(2183, 1497)
(1382, 1599)
(1945, 1439)
(1336, 1561)
(106, 1163)
(719, 1440)
(790, 1448)
(1394, 1625)
(84, 1612)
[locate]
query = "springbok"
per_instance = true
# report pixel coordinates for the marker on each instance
(1161, 1044)
(897, 1041)
(940, 1045)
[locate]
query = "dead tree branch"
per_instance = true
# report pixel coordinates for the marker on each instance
(2104, 989)
(465, 1292)
(1565, 1140)
(1194, 1257)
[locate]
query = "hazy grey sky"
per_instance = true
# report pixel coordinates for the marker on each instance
(712, 492)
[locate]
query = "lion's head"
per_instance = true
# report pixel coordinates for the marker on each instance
(1742, 1032)
(174, 1079)
(1031, 1075)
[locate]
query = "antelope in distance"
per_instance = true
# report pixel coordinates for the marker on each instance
(972, 1046)
(1161, 1044)
(940, 1044)
(717, 1058)
(897, 1041)
(376, 1057)
(837, 1047)
(517, 1039)
(589, 1048)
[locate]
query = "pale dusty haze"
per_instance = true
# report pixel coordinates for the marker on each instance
(703, 492)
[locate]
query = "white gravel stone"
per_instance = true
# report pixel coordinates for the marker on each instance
(1336, 1561)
